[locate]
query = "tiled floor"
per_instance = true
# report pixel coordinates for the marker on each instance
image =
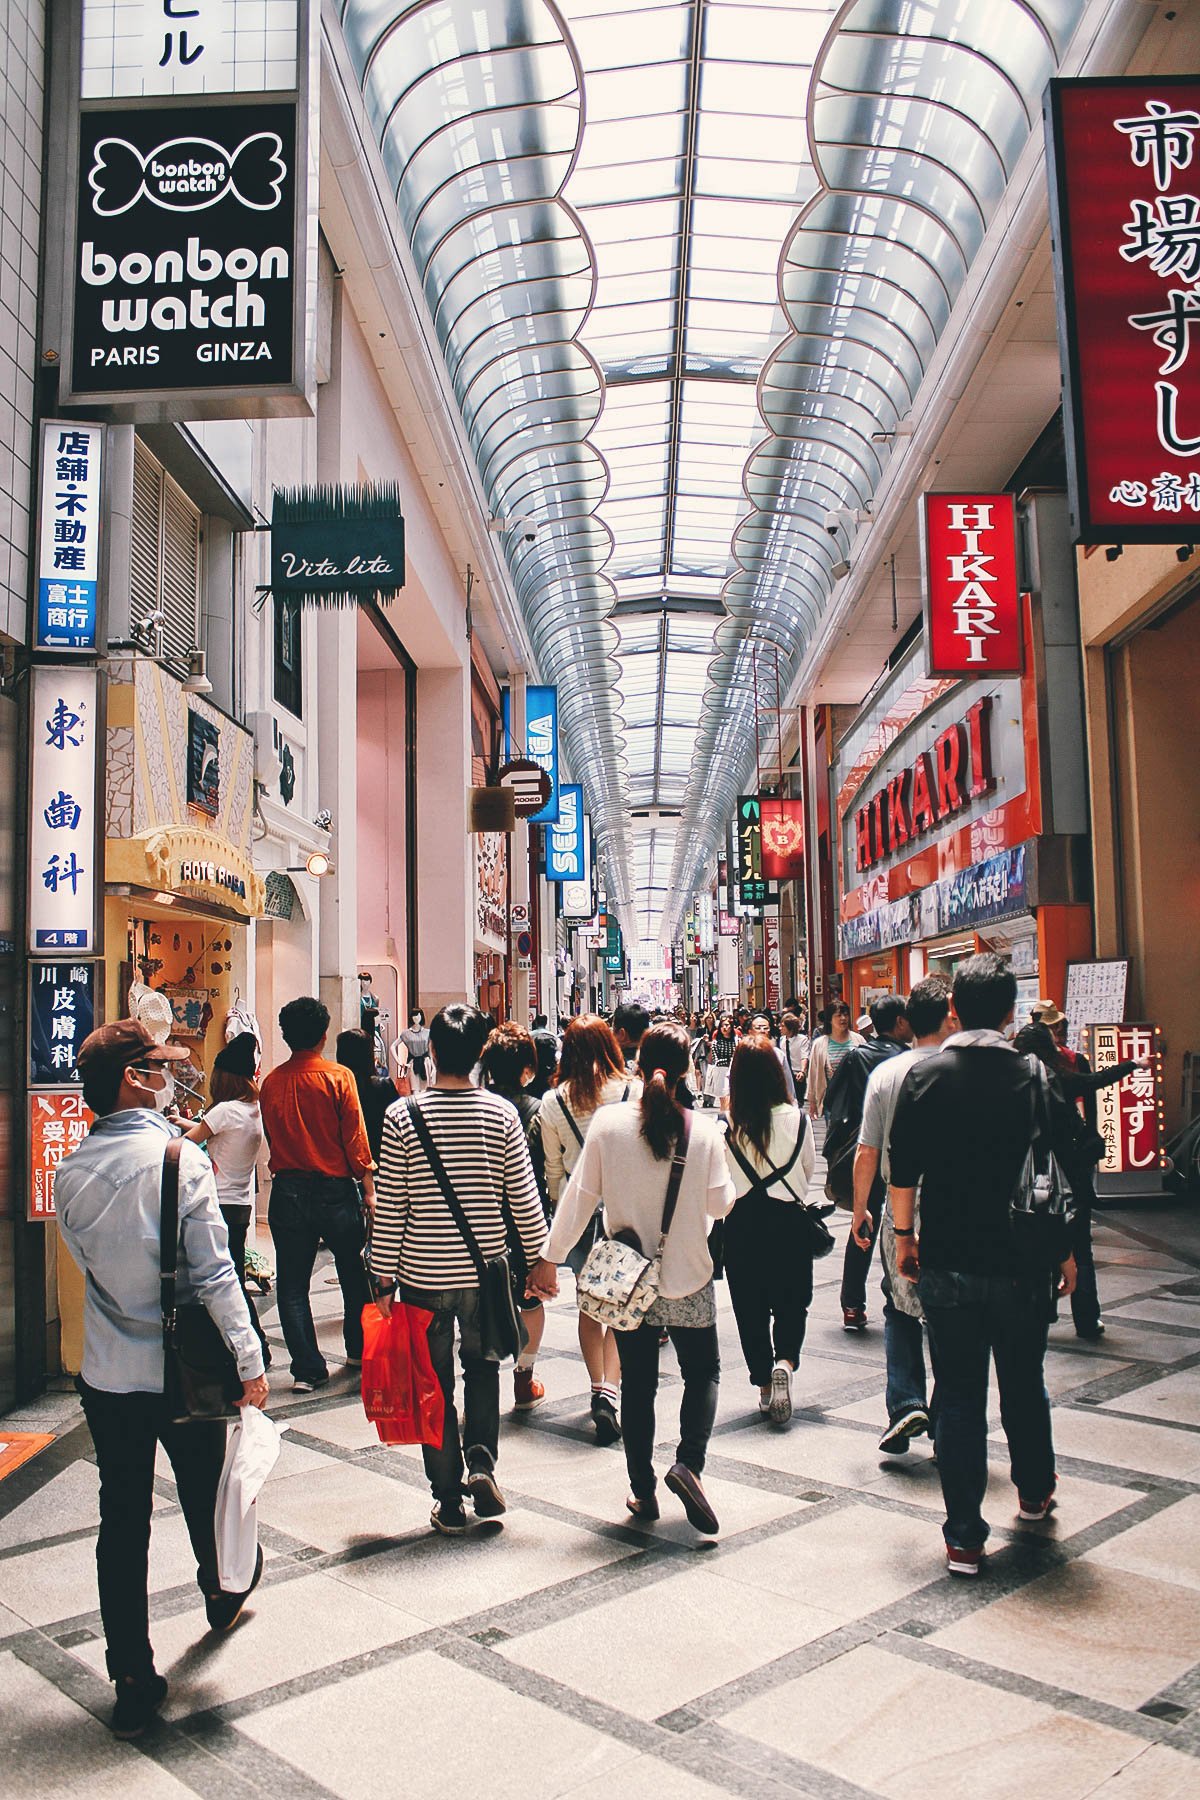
(816, 1649)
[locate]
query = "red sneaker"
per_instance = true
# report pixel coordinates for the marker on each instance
(527, 1390)
(1033, 1510)
(854, 1318)
(963, 1562)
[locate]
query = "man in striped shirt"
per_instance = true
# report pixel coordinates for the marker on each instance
(416, 1244)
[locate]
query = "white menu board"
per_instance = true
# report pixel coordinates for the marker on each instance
(1095, 996)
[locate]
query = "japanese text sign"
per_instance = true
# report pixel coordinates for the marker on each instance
(566, 853)
(62, 831)
(62, 1010)
(753, 887)
(1126, 160)
(972, 601)
(69, 536)
(58, 1124)
(137, 47)
(772, 963)
(1129, 1113)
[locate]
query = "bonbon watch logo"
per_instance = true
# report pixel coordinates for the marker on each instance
(187, 174)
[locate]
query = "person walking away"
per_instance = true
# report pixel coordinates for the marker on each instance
(769, 1267)
(827, 1051)
(231, 1131)
(796, 1045)
(963, 1125)
(108, 1195)
(477, 1139)
(626, 1167)
(546, 1045)
(931, 1020)
(591, 1074)
(319, 1156)
(630, 1022)
(356, 1052)
(414, 1042)
(843, 1111)
(509, 1064)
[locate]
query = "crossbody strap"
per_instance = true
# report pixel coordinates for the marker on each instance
(761, 1183)
(443, 1180)
(168, 1232)
(569, 1116)
(676, 1176)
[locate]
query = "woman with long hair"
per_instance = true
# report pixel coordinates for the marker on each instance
(721, 1046)
(232, 1133)
(356, 1052)
(768, 1265)
(591, 1074)
(626, 1168)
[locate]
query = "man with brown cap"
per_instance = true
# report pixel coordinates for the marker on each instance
(108, 1195)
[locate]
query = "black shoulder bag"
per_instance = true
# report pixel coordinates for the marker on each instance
(1042, 1205)
(502, 1280)
(200, 1378)
(818, 1239)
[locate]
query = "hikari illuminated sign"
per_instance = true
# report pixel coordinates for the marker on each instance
(972, 598)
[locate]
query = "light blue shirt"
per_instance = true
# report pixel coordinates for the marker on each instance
(108, 1197)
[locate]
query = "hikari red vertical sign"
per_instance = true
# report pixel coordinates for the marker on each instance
(1125, 186)
(972, 599)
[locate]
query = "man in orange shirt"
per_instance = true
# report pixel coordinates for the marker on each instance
(319, 1156)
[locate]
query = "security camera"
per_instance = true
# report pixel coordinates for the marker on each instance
(834, 522)
(523, 528)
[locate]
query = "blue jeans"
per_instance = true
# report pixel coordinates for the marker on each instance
(972, 1319)
(305, 1212)
(904, 1349)
(481, 1389)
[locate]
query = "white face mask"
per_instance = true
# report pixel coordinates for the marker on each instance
(164, 1098)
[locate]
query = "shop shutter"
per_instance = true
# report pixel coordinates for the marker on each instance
(146, 534)
(165, 555)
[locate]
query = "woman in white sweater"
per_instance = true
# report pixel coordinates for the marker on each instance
(626, 1168)
(591, 1074)
(767, 1260)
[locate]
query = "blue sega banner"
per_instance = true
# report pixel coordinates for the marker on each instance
(565, 848)
(541, 742)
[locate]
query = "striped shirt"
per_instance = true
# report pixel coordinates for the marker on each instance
(482, 1143)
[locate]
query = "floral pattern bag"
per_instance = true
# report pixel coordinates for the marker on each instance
(618, 1284)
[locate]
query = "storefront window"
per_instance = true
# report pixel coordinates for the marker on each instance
(289, 690)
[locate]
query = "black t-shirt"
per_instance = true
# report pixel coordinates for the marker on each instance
(961, 1130)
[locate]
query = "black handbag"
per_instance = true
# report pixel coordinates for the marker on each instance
(1041, 1205)
(200, 1377)
(818, 1239)
(502, 1279)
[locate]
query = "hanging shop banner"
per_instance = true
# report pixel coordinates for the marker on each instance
(1129, 1113)
(705, 931)
(566, 855)
(69, 536)
(772, 963)
(1125, 197)
(530, 786)
(691, 941)
(58, 1124)
(62, 1011)
(753, 889)
(969, 577)
(782, 829)
(62, 831)
(541, 742)
(340, 546)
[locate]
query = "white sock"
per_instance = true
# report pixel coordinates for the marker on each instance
(527, 1359)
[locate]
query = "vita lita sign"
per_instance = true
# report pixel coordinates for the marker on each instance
(972, 597)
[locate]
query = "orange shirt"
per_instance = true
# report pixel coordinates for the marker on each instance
(313, 1119)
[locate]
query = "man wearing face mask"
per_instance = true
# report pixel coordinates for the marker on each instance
(108, 1194)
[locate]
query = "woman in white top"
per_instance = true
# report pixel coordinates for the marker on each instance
(827, 1053)
(232, 1132)
(591, 1074)
(767, 1260)
(626, 1168)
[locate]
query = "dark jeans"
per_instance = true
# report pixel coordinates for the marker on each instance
(481, 1388)
(1085, 1301)
(305, 1212)
(237, 1224)
(700, 1366)
(770, 1276)
(126, 1429)
(971, 1319)
(857, 1263)
(904, 1350)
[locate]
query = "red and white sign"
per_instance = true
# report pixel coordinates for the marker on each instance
(782, 826)
(972, 601)
(58, 1124)
(939, 784)
(1126, 159)
(772, 964)
(1129, 1114)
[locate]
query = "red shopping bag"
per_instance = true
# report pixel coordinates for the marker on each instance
(401, 1393)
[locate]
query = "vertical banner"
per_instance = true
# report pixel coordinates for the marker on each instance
(782, 838)
(68, 575)
(541, 742)
(772, 964)
(969, 574)
(62, 1011)
(1129, 1113)
(1124, 156)
(566, 855)
(58, 1124)
(62, 832)
(753, 888)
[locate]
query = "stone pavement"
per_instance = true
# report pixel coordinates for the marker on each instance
(817, 1648)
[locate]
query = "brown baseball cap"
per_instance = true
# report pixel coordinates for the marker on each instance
(123, 1045)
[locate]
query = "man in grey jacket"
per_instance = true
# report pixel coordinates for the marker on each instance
(108, 1196)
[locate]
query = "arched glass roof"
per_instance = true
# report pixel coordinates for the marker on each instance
(687, 264)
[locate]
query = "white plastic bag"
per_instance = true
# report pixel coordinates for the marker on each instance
(250, 1455)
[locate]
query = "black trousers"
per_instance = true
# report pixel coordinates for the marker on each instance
(126, 1430)
(237, 1224)
(770, 1276)
(480, 1427)
(700, 1366)
(856, 1262)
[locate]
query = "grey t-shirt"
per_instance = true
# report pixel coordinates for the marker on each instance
(879, 1103)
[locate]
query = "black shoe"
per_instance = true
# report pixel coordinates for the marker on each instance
(137, 1703)
(309, 1384)
(486, 1497)
(448, 1518)
(1093, 1334)
(686, 1486)
(224, 1610)
(604, 1418)
(645, 1508)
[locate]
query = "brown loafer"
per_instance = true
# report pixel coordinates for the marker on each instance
(643, 1509)
(683, 1483)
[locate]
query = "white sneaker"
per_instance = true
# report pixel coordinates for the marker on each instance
(764, 1401)
(780, 1408)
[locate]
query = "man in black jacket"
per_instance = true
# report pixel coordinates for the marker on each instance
(963, 1126)
(844, 1099)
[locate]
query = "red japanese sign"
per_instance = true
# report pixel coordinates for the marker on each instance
(782, 849)
(972, 601)
(1129, 1113)
(1126, 161)
(58, 1124)
(772, 964)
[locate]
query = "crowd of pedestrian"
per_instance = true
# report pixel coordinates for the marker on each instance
(687, 1143)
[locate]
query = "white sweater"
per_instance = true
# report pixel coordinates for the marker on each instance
(560, 1146)
(618, 1169)
(787, 1122)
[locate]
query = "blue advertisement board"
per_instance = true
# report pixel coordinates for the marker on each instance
(565, 858)
(541, 742)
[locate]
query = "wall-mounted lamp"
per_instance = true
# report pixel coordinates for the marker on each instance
(316, 865)
(197, 681)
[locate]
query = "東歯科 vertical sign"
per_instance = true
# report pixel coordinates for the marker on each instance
(969, 576)
(1126, 191)
(62, 828)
